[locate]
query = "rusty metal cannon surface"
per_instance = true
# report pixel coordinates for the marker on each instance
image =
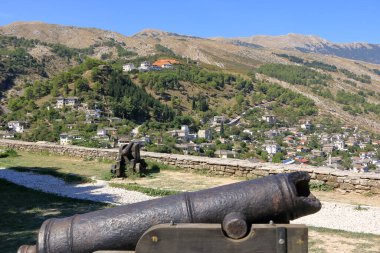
(235, 207)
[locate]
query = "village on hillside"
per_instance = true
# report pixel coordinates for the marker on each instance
(342, 147)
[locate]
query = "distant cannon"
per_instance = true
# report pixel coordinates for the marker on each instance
(129, 161)
(240, 217)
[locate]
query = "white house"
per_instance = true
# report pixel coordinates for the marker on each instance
(272, 147)
(205, 133)
(248, 131)
(7, 135)
(167, 66)
(218, 120)
(339, 145)
(93, 114)
(145, 139)
(271, 119)
(106, 131)
(114, 120)
(128, 67)
(145, 66)
(272, 133)
(188, 147)
(225, 153)
(307, 125)
(60, 102)
(70, 101)
(65, 139)
(16, 126)
(122, 141)
(185, 129)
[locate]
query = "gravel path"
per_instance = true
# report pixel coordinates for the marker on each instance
(345, 217)
(332, 215)
(98, 191)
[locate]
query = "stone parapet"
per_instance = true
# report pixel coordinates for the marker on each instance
(344, 180)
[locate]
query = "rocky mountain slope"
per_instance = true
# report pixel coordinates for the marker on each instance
(313, 44)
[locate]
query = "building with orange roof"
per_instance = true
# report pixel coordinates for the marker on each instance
(165, 63)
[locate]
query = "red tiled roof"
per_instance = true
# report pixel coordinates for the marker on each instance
(165, 61)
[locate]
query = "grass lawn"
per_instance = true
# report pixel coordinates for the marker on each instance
(23, 210)
(324, 240)
(59, 166)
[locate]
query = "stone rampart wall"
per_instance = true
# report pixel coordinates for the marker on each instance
(342, 180)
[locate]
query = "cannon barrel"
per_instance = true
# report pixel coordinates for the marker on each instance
(278, 198)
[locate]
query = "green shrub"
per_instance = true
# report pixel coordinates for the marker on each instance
(8, 153)
(107, 176)
(320, 186)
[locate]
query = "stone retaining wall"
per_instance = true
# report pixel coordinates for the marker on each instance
(342, 180)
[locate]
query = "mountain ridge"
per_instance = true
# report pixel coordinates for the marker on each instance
(69, 36)
(364, 51)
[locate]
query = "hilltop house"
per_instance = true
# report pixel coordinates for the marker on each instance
(248, 131)
(217, 120)
(328, 148)
(272, 147)
(114, 120)
(183, 134)
(93, 114)
(317, 153)
(225, 154)
(187, 148)
(123, 140)
(17, 126)
(70, 102)
(67, 138)
(205, 133)
(339, 145)
(7, 135)
(307, 125)
(145, 66)
(269, 118)
(106, 131)
(128, 67)
(165, 63)
(271, 133)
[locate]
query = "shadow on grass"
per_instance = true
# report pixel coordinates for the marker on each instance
(54, 171)
(23, 210)
(57, 183)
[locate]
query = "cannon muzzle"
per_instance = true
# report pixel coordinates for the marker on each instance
(278, 198)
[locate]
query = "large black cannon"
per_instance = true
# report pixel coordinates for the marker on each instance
(226, 214)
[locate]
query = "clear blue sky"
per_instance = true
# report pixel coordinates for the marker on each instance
(335, 20)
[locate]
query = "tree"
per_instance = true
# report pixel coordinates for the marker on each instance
(346, 162)
(278, 157)
(66, 89)
(81, 85)
(28, 93)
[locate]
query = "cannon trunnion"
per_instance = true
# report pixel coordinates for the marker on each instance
(228, 216)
